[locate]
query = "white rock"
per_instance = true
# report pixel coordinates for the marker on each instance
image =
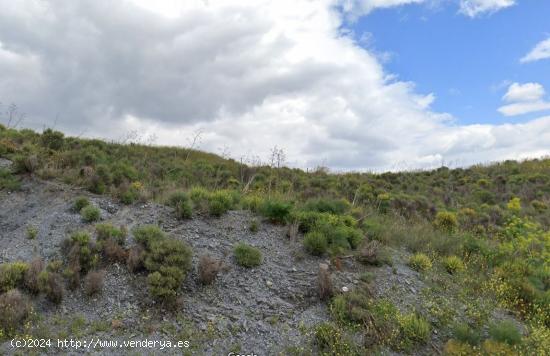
(345, 289)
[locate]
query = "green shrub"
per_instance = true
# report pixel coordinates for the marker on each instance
(109, 231)
(52, 139)
(252, 203)
(333, 206)
(12, 275)
(332, 341)
(414, 328)
(164, 285)
(220, 202)
(177, 197)
(276, 211)
(80, 203)
(168, 252)
(182, 205)
(146, 234)
(453, 264)
(247, 256)
(32, 232)
(506, 332)
(315, 242)
(539, 205)
(253, 226)
(90, 213)
(514, 205)
(446, 221)
(420, 262)
(129, 196)
(83, 255)
(464, 333)
(8, 181)
(167, 260)
(184, 210)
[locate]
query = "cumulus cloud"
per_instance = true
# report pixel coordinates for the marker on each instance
(251, 74)
(541, 51)
(364, 7)
(474, 8)
(524, 99)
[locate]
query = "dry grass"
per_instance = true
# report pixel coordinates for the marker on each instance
(31, 276)
(208, 269)
(93, 282)
(114, 252)
(14, 309)
(51, 284)
(324, 282)
(135, 258)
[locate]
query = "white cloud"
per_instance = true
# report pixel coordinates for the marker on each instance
(363, 7)
(524, 92)
(251, 74)
(541, 51)
(474, 8)
(524, 99)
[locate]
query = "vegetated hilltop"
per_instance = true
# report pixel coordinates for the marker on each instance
(448, 260)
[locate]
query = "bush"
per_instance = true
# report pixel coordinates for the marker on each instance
(373, 253)
(252, 203)
(333, 206)
(182, 204)
(51, 284)
(164, 285)
(109, 231)
(464, 333)
(12, 275)
(208, 269)
(177, 197)
(446, 221)
(31, 275)
(83, 255)
(415, 328)
(93, 282)
(219, 203)
(146, 234)
(453, 264)
(168, 253)
(253, 226)
(8, 181)
(52, 139)
(276, 211)
(420, 262)
(90, 213)
(247, 256)
(80, 203)
(331, 341)
(184, 210)
(167, 261)
(14, 310)
(505, 332)
(32, 232)
(316, 243)
(514, 205)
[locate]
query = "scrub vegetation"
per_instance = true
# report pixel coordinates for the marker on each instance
(479, 236)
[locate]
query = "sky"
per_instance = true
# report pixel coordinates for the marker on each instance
(363, 85)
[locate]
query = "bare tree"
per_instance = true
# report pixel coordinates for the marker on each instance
(14, 117)
(194, 142)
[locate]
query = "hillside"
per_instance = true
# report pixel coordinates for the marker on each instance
(126, 242)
